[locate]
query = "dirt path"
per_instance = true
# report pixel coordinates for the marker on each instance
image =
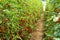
(38, 32)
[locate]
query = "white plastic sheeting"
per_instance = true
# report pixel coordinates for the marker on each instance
(44, 4)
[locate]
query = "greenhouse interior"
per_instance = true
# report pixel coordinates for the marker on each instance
(29, 19)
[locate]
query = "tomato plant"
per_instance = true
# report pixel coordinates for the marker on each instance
(17, 18)
(52, 20)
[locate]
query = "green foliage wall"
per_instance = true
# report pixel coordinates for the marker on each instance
(17, 18)
(52, 20)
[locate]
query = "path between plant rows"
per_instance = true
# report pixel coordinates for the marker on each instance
(38, 32)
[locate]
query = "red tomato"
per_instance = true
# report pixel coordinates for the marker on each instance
(21, 34)
(1, 30)
(59, 20)
(28, 29)
(11, 37)
(51, 38)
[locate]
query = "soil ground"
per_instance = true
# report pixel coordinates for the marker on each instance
(38, 32)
